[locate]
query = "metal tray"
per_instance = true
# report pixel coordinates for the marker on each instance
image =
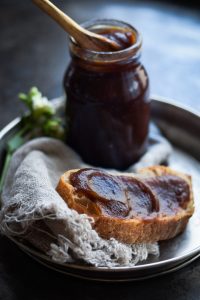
(181, 126)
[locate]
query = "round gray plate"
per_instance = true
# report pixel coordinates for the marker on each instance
(181, 126)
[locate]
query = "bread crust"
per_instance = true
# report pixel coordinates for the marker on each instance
(133, 230)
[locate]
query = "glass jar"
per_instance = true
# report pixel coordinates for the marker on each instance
(108, 103)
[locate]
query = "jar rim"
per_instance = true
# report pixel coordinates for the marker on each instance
(108, 56)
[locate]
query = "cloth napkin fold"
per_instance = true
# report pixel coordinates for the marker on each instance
(34, 211)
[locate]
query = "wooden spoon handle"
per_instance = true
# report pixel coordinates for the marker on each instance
(62, 19)
(85, 38)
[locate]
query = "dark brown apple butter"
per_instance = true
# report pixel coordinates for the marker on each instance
(132, 197)
(108, 103)
(123, 38)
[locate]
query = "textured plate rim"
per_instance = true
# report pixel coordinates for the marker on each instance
(116, 280)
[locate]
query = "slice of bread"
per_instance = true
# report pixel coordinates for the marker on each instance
(152, 205)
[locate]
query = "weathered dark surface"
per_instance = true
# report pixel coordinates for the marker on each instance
(33, 51)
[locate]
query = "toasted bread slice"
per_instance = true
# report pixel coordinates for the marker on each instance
(152, 205)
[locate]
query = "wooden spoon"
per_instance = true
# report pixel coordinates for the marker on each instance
(83, 37)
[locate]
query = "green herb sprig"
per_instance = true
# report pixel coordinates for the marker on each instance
(40, 120)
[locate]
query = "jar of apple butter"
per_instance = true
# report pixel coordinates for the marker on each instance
(108, 103)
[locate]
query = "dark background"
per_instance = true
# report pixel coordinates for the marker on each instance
(33, 51)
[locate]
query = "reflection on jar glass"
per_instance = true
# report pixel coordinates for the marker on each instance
(108, 104)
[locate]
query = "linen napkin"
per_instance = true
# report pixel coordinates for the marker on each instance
(33, 211)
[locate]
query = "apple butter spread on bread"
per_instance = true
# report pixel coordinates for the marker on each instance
(154, 204)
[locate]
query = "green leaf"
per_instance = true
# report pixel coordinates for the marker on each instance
(40, 120)
(54, 128)
(5, 169)
(22, 96)
(14, 143)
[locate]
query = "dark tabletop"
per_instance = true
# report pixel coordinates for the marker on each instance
(33, 52)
